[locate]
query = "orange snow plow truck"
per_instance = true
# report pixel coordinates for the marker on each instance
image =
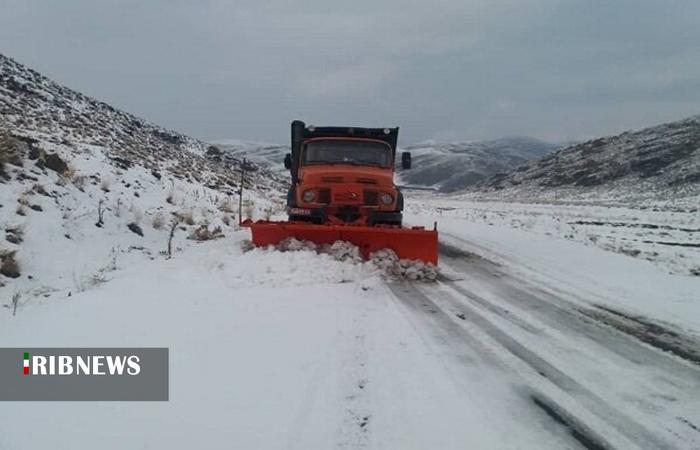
(342, 189)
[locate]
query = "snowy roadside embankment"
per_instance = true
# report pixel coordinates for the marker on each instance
(67, 231)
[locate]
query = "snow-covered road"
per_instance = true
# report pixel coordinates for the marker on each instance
(297, 350)
(608, 379)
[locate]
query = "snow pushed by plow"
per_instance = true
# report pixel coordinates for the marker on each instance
(384, 262)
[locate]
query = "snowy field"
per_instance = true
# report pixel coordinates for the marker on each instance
(530, 339)
(668, 235)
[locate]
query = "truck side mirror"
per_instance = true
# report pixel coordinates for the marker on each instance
(288, 161)
(406, 160)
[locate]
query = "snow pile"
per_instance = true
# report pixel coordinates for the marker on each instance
(385, 261)
(292, 263)
(395, 268)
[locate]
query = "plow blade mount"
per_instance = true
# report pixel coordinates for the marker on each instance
(409, 243)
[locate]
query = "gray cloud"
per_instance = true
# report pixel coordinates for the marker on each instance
(554, 69)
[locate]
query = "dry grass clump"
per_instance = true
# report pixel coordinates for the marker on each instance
(23, 200)
(10, 153)
(158, 221)
(227, 205)
(67, 176)
(186, 216)
(203, 233)
(79, 182)
(9, 265)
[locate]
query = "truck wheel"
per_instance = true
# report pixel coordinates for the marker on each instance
(291, 197)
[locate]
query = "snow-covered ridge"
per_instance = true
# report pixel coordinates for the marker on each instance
(452, 166)
(41, 111)
(656, 163)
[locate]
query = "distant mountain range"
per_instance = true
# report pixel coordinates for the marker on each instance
(444, 166)
(453, 166)
(660, 162)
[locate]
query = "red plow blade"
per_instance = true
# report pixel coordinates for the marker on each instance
(409, 243)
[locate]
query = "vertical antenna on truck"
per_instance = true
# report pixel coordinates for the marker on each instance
(240, 193)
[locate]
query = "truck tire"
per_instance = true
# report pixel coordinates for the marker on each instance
(291, 197)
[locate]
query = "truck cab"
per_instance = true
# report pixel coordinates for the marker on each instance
(344, 175)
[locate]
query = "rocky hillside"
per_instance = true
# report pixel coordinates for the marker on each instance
(85, 188)
(661, 162)
(451, 166)
(39, 111)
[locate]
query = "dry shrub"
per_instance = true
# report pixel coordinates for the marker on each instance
(227, 205)
(67, 176)
(203, 233)
(186, 216)
(23, 200)
(21, 211)
(39, 189)
(117, 210)
(9, 265)
(79, 181)
(171, 194)
(10, 152)
(158, 221)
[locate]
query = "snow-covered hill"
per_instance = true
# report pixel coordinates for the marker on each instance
(657, 163)
(84, 187)
(266, 155)
(451, 166)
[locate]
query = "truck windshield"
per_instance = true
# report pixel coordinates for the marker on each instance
(336, 151)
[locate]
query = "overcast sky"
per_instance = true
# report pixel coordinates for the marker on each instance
(453, 69)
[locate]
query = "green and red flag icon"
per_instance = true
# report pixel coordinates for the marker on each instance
(26, 363)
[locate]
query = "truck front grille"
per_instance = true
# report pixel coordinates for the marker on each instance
(371, 198)
(324, 196)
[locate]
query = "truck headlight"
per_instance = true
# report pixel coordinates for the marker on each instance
(386, 199)
(309, 196)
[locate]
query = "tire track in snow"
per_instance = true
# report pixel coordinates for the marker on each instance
(566, 318)
(562, 315)
(548, 372)
(354, 430)
(457, 336)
